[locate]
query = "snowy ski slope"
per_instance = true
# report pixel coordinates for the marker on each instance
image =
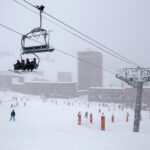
(53, 125)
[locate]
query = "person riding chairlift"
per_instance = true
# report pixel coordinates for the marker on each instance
(27, 65)
(22, 64)
(33, 64)
(17, 65)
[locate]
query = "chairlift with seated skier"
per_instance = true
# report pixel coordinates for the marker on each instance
(42, 46)
(28, 65)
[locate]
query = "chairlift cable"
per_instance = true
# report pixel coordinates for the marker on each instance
(117, 55)
(74, 34)
(65, 53)
(84, 61)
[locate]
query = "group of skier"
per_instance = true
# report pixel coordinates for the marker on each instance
(28, 65)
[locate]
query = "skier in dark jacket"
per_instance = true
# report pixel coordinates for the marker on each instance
(86, 114)
(12, 115)
(27, 65)
(32, 64)
(17, 65)
(35, 63)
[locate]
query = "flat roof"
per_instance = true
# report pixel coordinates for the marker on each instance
(128, 87)
(9, 73)
(106, 88)
(50, 82)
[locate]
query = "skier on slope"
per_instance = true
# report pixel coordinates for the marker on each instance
(12, 115)
(86, 115)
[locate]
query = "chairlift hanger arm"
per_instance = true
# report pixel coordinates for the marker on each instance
(38, 59)
(36, 32)
(40, 8)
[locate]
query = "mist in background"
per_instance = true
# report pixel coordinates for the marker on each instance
(122, 25)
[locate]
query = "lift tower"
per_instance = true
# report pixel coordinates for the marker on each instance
(135, 77)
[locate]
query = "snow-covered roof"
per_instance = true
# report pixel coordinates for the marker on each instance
(119, 88)
(146, 87)
(9, 73)
(50, 82)
(17, 83)
(37, 82)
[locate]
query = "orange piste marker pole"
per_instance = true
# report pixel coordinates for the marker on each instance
(112, 119)
(140, 117)
(91, 118)
(127, 117)
(79, 119)
(103, 123)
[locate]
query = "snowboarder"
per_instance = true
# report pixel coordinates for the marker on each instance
(12, 115)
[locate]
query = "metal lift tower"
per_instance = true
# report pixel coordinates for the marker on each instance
(135, 77)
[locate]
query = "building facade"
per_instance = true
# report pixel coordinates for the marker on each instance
(117, 95)
(90, 73)
(16, 83)
(64, 77)
(7, 79)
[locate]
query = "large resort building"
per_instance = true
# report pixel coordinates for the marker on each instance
(90, 74)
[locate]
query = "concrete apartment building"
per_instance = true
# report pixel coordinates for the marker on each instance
(88, 75)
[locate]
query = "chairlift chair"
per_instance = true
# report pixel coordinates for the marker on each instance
(37, 32)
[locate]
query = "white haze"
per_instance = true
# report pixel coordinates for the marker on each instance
(122, 25)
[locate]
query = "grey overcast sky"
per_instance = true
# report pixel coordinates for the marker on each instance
(122, 25)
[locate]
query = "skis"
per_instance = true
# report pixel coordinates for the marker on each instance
(15, 71)
(21, 71)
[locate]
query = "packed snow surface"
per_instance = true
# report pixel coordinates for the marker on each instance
(52, 124)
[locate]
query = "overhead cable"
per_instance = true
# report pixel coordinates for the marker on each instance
(113, 53)
(65, 53)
